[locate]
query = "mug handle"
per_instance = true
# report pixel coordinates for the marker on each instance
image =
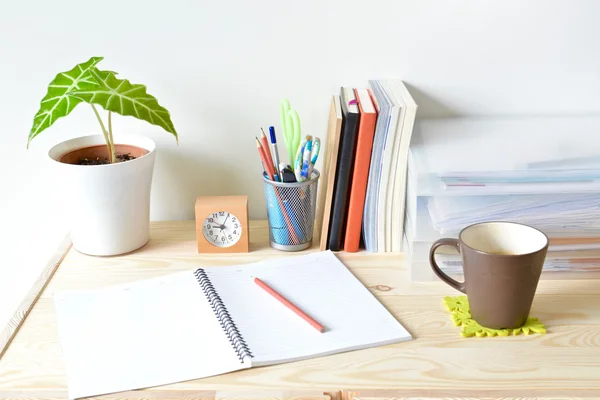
(460, 286)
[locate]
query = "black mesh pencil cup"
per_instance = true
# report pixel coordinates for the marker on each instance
(291, 212)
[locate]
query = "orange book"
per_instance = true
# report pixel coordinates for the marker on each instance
(360, 175)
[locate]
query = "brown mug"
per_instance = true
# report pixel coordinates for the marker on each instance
(502, 264)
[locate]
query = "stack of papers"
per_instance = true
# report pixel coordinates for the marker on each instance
(543, 172)
(452, 264)
(552, 214)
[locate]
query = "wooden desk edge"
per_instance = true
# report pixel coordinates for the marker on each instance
(316, 394)
(22, 311)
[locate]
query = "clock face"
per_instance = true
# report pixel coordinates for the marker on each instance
(222, 229)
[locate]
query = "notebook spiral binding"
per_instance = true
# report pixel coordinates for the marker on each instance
(225, 320)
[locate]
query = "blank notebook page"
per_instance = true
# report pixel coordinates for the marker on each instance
(142, 334)
(321, 286)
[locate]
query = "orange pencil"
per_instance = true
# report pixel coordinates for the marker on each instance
(265, 146)
(268, 166)
(289, 305)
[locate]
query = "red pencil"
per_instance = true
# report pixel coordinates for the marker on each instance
(289, 305)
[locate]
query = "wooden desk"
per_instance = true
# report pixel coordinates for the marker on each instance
(439, 363)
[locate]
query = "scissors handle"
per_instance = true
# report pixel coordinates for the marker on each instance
(295, 125)
(294, 130)
(315, 154)
(284, 108)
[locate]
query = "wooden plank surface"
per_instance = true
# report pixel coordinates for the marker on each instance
(187, 395)
(438, 361)
(21, 313)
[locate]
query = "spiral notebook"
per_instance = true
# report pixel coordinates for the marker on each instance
(211, 321)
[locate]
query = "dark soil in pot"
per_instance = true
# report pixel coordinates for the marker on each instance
(98, 155)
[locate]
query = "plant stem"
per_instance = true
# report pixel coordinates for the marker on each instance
(104, 131)
(110, 138)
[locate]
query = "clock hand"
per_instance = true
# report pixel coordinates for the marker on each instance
(225, 219)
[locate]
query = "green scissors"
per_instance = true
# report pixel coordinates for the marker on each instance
(290, 124)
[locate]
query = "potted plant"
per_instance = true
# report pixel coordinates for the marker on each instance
(108, 182)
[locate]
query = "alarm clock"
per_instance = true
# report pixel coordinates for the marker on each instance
(222, 224)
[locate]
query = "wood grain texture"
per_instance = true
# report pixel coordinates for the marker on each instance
(439, 363)
(181, 395)
(507, 394)
(14, 323)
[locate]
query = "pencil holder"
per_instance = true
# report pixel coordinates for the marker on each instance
(291, 212)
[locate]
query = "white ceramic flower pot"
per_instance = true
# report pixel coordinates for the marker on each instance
(108, 206)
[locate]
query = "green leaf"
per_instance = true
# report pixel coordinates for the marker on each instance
(125, 98)
(57, 103)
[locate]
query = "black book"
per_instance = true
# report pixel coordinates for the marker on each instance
(345, 166)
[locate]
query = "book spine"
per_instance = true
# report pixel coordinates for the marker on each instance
(360, 176)
(229, 328)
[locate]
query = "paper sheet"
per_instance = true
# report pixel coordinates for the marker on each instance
(138, 335)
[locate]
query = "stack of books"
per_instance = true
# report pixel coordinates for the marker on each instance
(543, 172)
(362, 187)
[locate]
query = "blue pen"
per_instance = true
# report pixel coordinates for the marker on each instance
(298, 161)
(274, 147)
(306, 159)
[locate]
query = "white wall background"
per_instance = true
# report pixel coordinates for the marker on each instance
(221, 68)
